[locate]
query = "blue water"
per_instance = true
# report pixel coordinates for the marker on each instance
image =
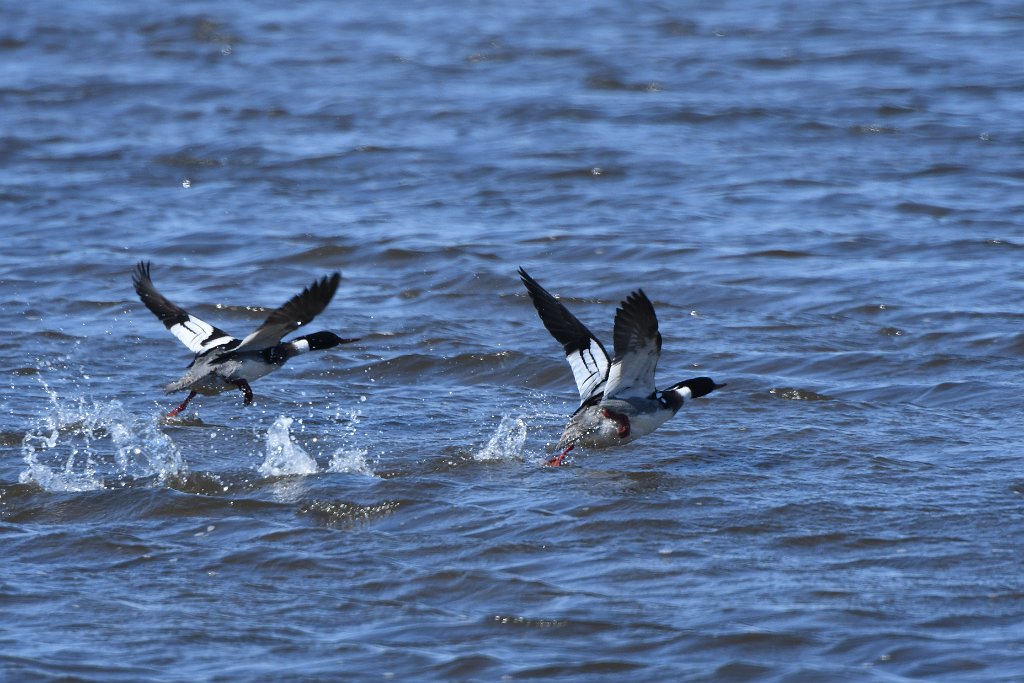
(823, 202)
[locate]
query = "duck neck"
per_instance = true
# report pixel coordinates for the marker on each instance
(278, 355)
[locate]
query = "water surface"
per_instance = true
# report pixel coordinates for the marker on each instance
(823, 203)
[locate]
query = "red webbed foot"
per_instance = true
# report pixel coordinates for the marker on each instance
(181, 407)
(619, 419)
(557, 460)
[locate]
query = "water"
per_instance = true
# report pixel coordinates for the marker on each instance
(822, 201)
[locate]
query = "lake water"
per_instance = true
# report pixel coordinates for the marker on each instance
(822, 200)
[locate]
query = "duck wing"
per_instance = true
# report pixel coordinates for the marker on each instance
(297, 311)
(637, 349)
(584, 352)
(199, 336)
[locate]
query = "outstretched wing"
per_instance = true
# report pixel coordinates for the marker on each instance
(586, 355)
(197, 335)
(637, 348)
(297, 311)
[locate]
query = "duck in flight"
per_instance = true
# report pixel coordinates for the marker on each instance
(223, 362)
(619, 401)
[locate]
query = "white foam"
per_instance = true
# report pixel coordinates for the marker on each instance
(283, 455)
(507, 441)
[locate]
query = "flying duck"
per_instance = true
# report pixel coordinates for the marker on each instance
(619, 401)
(223, 362)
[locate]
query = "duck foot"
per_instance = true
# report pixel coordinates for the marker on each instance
(621, 420)
(246, 389)
(557, 460)
(184, 403)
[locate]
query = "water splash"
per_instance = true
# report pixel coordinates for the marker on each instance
(349, 458)
(283, 455)
(81, 445)
(506, 443)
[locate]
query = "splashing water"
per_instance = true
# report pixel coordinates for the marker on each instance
(80, 444)
(507, 441)
(348, 458)
(283, 455)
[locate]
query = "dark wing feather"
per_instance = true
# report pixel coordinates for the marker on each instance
(585, 353)
(197, 335)
(297, 311)
(637, 349)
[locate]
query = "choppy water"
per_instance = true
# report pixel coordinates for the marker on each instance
(823, 201)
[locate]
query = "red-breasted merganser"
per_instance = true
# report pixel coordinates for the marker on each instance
(619, 401)
(223, 362)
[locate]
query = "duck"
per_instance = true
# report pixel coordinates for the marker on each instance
(619, 401)
(223, 362)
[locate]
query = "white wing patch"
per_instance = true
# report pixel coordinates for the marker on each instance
(589, 369)
(633, 376)
(199, 336)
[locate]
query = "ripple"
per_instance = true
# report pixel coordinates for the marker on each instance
(796, 394)
(336, 514)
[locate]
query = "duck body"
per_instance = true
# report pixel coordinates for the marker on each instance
(613, 422)
(604, 423)
(221, 369)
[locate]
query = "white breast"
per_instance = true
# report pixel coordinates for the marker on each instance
(248, 369)
(645, 423)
